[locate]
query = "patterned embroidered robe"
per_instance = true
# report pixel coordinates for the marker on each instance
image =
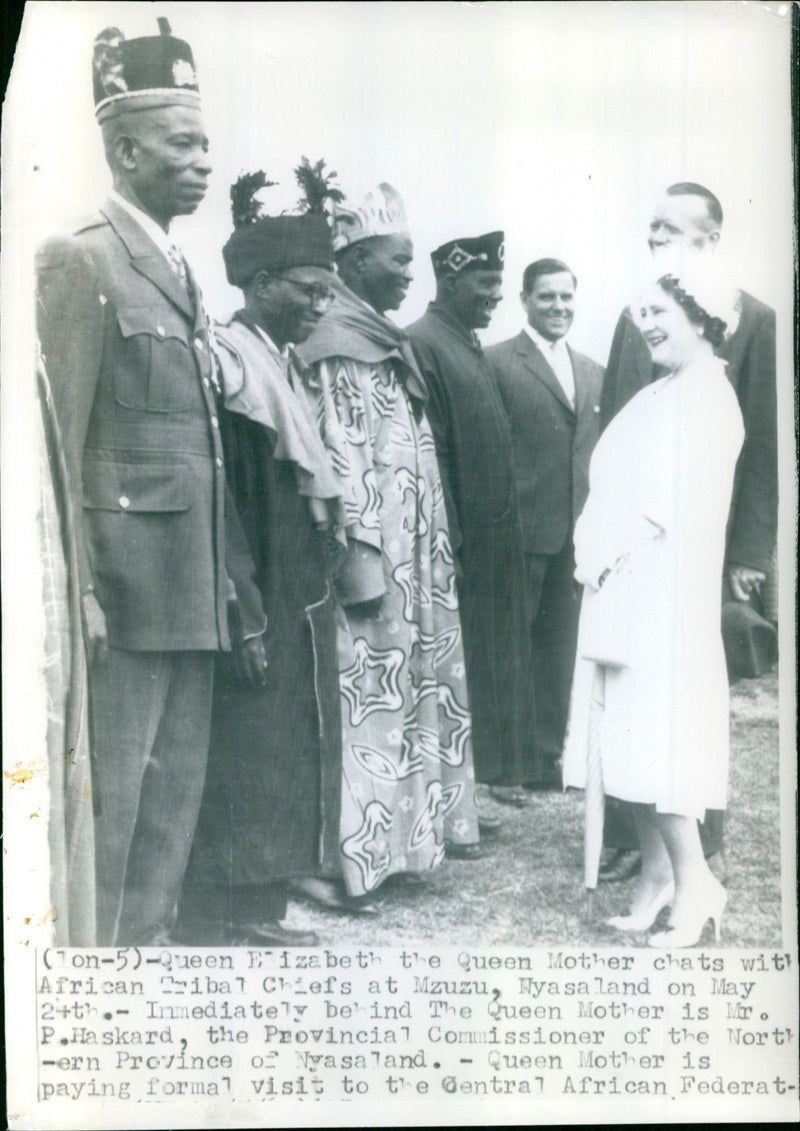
(408, 780)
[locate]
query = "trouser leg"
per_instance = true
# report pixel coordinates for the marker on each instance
(620, 827)
(711, 831)
(211, 913)
(535, 570)
(127, 695)
(258, 903)
(554, 640)
(151, 715)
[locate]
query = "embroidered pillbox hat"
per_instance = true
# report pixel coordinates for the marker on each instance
(479, 253)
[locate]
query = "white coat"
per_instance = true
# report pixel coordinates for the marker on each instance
(660, 489)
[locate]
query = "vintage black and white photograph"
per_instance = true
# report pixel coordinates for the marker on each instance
(398, 510)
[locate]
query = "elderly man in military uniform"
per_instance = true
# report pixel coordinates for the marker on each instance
(126, 346)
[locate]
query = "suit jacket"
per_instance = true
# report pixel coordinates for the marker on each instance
(552, 443)
(127, 353)
(750, 354)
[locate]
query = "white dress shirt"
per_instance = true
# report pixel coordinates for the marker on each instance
(557, 356)
(156, 233)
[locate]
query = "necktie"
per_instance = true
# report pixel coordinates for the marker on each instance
(178, 265)
(562, 367)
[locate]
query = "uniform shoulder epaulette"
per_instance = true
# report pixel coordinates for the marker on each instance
(94, 220)
(65, 248)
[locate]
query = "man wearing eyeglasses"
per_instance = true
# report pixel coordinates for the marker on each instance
(270, 811)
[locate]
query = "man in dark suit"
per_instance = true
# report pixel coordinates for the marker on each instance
(551, 394)
(127, 350)
(690, 216)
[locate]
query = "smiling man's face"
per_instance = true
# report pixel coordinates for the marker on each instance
(550, 304)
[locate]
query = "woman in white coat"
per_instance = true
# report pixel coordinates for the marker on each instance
(650, 685)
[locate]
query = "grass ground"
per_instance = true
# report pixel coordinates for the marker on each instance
(528, 890)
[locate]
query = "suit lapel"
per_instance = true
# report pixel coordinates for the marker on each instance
(146, 258)
(733, 349)
(581, 383)
(536, 362)
(196, 300)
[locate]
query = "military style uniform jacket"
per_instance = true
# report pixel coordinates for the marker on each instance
(126, 349)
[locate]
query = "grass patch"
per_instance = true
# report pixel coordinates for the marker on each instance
(528, 890)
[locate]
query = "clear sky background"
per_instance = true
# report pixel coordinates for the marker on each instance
(560, 123)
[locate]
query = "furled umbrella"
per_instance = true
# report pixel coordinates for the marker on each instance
(594, 798)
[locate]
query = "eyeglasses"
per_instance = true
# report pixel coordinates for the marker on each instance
(314, 292)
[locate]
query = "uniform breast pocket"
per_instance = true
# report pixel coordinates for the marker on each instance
(132, 488)
(154, 364)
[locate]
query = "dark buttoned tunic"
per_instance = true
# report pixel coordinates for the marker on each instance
(473, 445)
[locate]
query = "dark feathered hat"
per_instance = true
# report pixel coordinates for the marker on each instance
(271, 243)
(479, 253)
(142, 74)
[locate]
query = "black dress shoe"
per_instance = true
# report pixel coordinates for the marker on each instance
(463, 851)
(327, 894)
(510, 795)
(623, 865)
(271, 934)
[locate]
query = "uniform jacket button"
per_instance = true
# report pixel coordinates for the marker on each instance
(124, 502)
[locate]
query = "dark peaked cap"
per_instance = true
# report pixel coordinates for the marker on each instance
(274, 243)
(479, 253)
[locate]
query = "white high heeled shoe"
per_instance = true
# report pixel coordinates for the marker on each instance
(689, 932)
(648, 915)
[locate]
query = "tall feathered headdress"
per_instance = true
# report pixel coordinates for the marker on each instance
(245, 207)
(273, 243)
(317, 187)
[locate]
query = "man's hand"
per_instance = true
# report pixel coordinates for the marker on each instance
(94, 629)
(369, 610)
(251, 661)
(744, 581)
